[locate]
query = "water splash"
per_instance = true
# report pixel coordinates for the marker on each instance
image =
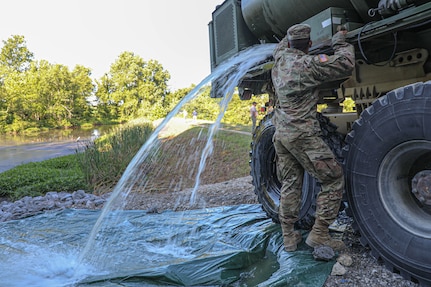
(45, 268)
(227, 76)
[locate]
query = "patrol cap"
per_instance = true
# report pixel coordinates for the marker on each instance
(299, 31)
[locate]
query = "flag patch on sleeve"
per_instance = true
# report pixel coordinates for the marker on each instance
(323, 58)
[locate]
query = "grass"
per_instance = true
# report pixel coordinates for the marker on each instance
(100, 165)
(241, 128)
(181, 156)
(37, 178)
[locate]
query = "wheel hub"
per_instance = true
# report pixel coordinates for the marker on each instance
(406, 167)
(421, 187)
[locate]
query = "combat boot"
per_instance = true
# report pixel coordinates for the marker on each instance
(319, 236)
(291, 240)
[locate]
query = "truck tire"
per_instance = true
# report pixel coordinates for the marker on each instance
(264, 171)
(387, 151)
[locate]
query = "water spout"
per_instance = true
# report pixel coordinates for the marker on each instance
(227, 76)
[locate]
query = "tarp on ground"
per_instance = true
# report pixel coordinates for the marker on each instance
(223, 246)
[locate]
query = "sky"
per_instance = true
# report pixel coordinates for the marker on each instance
(93, 33)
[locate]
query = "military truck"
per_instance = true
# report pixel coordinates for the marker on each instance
(384, 144)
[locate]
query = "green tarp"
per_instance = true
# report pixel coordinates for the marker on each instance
(224, 246)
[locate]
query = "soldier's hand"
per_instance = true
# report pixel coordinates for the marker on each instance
(339, 38)
(342, 29)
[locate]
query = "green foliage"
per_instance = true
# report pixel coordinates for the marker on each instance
(173, 98)
(349, 105)
(36, 94)
(45, 95)
(15, 55)
(238, 111)
(133, 88)
(37, 178)
(104, 161)
(207, 108)
(40, 94)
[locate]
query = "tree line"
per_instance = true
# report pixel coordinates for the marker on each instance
(36, 94)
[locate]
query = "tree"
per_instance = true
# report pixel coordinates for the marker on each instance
(82, 88)
(207, 108)
(135, 87)
(45, 95)
(15, 58)
(238, 111)
(15, 55)
(173, 98)
(62, 93)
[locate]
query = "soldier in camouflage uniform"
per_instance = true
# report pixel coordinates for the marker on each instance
(296, 77)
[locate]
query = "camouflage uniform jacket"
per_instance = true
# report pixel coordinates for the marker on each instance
(296, 77)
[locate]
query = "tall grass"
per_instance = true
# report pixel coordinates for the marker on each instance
(103, 161)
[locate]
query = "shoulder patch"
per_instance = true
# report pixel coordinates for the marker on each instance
(323, 58)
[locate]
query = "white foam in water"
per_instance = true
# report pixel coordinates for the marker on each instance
(44, 268)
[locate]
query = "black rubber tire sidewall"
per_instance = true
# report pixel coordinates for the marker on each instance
(400, 116)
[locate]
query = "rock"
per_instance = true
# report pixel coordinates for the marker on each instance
(79, 194)
(52, 195)
(338, 270)
(152, 210)
(99, 201)
(345, 260)
(90, 204)
(29, 206)
(65, 196)
(324, 253)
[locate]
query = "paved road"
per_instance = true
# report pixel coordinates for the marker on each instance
(11, 156)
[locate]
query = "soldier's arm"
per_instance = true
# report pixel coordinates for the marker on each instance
(339, 65)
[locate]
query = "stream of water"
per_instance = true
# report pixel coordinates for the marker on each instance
(93, 248)
(232, 72)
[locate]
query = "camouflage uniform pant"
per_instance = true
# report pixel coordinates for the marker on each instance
(312, 154)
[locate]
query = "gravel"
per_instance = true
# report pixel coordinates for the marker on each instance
(358, 267)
